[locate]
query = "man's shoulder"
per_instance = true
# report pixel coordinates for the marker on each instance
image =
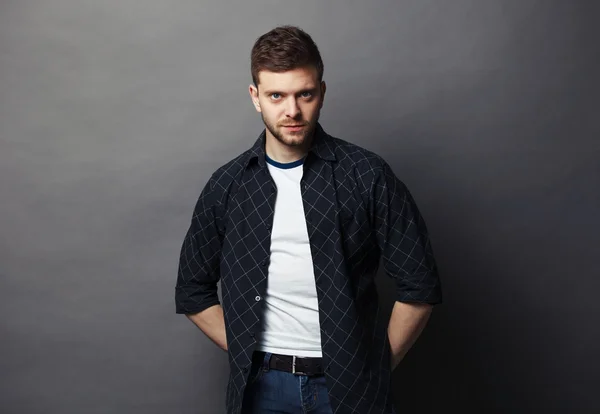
(221, 181)
(353, 156)
(231, 169)
(363, 167)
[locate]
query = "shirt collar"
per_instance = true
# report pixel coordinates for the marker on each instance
(321, 146)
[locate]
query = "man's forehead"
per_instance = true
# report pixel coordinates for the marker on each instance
(300, 78)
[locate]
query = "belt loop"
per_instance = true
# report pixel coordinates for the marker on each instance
(266, 361)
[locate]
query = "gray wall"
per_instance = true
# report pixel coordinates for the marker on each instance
(113, 115)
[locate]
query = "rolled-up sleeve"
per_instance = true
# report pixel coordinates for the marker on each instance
(198, 271)
(403, 240)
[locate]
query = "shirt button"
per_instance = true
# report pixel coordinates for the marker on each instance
(251, 334)
(245, 369)
(265, 262)
(257, 298)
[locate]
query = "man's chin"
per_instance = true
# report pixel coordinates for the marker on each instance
(292, 139)
(294, 142)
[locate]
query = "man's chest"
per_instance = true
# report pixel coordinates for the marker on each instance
(335, 216)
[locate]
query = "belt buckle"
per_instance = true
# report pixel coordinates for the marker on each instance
(294, 367)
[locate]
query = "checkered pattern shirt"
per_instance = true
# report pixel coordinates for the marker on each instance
(357, 211)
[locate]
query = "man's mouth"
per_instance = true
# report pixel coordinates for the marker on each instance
(294, 127)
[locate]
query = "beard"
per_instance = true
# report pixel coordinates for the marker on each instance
(292, 138)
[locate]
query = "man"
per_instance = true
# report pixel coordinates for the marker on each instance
(294, 229)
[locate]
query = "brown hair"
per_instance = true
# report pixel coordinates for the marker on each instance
(284, 48)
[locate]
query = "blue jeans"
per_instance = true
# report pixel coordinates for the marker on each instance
(272, 391)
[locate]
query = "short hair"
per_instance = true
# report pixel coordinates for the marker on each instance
(284, 48)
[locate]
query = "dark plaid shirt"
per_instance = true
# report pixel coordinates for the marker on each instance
(356, 211)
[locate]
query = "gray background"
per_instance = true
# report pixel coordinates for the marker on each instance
(113, 115)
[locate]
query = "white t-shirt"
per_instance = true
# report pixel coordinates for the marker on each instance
(291, 317)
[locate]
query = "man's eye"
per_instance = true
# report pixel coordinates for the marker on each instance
(306, 94)
(275, 96)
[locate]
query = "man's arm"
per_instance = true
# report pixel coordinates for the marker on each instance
(406, 324)
(199, 271)
(212, 323)
(407, 257)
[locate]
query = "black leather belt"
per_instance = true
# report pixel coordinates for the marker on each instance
(297, 365)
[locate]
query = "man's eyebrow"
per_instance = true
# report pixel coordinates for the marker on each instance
(311, 89)
(272, 91)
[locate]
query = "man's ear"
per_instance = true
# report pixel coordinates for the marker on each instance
(323, 89)
(253, 90)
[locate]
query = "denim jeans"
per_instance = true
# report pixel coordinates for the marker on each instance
(272, 391)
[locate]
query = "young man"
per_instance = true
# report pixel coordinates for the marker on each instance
(294, 229)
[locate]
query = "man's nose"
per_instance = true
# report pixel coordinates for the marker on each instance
(292, 109)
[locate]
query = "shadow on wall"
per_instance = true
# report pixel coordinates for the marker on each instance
(454, 364)
(488, 348)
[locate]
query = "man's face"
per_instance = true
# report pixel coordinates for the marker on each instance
(289, 103)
